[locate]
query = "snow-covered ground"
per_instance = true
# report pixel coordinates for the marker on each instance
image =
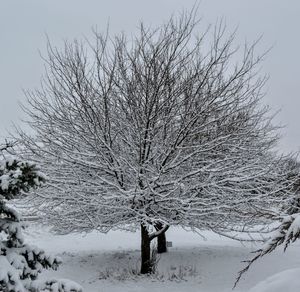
(107, 263)
(287, 281)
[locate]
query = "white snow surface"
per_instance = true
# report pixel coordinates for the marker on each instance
(107, 263)
(287, 281)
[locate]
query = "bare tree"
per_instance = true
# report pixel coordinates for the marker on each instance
(163, 129)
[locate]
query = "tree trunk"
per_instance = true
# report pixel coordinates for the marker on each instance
(145, 251)
(161, 240)
(162, 243)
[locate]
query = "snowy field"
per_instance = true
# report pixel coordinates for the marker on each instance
(107, 263)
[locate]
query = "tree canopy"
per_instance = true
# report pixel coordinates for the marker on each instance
(164, 128)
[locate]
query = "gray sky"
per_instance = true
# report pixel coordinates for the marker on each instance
(24, 24)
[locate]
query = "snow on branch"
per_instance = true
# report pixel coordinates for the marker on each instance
(20, 263)
(287, 232)
(159, 232)
(154, 129)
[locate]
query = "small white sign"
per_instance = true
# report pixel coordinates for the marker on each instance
(169, 244)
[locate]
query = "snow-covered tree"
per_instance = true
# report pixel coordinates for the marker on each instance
(166, 128)
(287, 229)
(21, 263)
(284, 234)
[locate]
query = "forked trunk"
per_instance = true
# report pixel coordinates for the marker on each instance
(145, 251)
(161, 240)
(162, 243)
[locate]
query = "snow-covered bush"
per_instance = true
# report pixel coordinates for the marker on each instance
(21, 263)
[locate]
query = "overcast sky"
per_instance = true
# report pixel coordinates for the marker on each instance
(25, 23)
